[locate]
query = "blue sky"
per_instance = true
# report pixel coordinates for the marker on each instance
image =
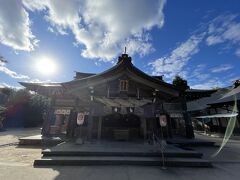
(199, 40)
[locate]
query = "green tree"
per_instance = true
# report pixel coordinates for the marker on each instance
(5, 94)
(25, 109)
(180, 83)
(2, 116)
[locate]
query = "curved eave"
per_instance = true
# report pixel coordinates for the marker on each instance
(80, 75)
(122, 67)
(79, 81)
(46, 89)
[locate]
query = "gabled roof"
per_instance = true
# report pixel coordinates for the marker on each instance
(194, 94)
(201, 90)
(201, 104)
(123, 67)
(230, 97)
(47, 89)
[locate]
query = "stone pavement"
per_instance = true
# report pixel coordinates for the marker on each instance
(217, 135)
(220, 172)
(16, 163)
(229, 154)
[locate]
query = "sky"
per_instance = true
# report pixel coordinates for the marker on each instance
(47, 41)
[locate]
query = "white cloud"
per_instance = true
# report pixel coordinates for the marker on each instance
(210, 84)
(11, 73)
(198, 73)
(173, 64)
(15, 29)
(3, 85)
(224, 29)
(103, 27)
(238, 52)
(35, 4)
(221, 68)
(40, 81)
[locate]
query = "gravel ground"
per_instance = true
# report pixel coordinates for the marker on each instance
(12, 135)
(13, 155)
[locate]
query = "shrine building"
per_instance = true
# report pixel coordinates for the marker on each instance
(121, 103)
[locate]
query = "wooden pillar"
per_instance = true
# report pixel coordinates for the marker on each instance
(187, 118)
(238, 116)
(169, 127)
(144, 127)
(48, 117)
(219, 121)
(72, 123)
(90, 119)
(90, 125)
(58, 123)
(99, 128)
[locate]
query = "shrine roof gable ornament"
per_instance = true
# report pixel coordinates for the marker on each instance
(125, 57)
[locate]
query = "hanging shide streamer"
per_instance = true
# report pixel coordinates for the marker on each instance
(229, 129)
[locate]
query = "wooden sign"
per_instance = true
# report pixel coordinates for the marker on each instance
(62, 111)
(163, 120)
(80, 118)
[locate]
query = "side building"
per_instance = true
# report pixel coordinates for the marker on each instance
(213, 113)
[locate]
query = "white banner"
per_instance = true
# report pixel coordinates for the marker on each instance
(163, 120)
(80, 118)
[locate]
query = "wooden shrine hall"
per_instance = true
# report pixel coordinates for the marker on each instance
(121, 103)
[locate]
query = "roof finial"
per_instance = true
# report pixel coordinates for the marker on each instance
(125, 50)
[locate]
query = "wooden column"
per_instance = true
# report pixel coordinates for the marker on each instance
(46, 128)
(238, 116)
(99, 128)
(219, 121)
(90, 119)
(169, 126)
(187, 118)
(90, 124)
(144, 126)
(72, 123)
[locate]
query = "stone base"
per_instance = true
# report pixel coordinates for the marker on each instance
(79, 141)
(39, 140)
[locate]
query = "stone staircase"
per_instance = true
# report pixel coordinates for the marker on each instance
(121, 153)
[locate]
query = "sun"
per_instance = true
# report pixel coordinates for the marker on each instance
(46, 65)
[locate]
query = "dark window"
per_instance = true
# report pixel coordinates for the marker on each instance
(123, 85)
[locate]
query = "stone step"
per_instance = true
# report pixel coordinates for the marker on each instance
(38, 140)
(190, 142)
(188, 154)
(116, 160)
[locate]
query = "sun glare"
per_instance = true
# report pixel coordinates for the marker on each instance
(46, 66)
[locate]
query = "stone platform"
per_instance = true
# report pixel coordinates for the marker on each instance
(119, 153)
(39, 140)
